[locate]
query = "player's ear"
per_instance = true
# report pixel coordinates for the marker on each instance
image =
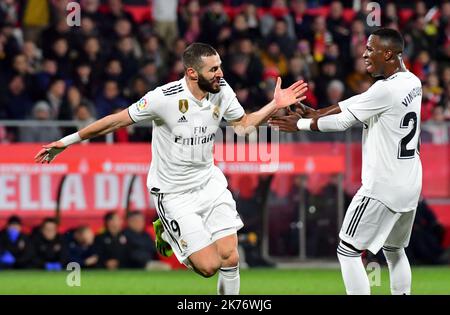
(388, 54)
(192, 74)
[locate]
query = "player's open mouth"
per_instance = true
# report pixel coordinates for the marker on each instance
(368, 64)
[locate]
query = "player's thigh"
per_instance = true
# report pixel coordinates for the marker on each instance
(184, 227)
(401, 232)
(223, 219)
(367, 224)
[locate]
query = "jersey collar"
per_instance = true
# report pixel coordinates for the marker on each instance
(203, 104)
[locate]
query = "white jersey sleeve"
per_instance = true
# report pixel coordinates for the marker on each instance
(345, 103)
(147, 108)
(234, 109)
(376, 100)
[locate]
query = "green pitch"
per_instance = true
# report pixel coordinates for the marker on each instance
(426, 280)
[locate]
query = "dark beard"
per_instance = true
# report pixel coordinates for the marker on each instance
(206, 85)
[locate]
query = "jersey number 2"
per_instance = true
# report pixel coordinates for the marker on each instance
(403, 152)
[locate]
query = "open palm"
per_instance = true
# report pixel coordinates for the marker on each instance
(293, 94)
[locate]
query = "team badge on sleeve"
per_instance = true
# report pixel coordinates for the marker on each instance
(183, 106)
(142, 104)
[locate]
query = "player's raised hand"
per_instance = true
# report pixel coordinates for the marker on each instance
(49, 152)
(286, 123)
(291, 95)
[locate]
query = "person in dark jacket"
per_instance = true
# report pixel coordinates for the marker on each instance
(49, 253)
(15, 247)
(80, 247)
(111, 245)
(140, 247)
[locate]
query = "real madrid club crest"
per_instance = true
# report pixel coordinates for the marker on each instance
(184, 244)
(183, 106)
(216, 112)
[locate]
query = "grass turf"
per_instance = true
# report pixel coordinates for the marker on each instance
(426, 280)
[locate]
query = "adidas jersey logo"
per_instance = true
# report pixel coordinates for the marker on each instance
(182, 119)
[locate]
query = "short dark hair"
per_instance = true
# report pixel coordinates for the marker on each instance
(134, 213)
(192, 55)
(49, 220)
(392, 36)
(109, 216)
(14, 219)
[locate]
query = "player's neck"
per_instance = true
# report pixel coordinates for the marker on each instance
(195, 89)
(397, 67)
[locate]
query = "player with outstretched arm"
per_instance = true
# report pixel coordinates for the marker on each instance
(382, 212)
(197, 214)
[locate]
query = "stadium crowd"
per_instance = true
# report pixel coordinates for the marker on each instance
(45, 248)
(53, 71)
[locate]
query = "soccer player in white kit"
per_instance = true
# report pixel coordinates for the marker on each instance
(196, 210)
(382, 212)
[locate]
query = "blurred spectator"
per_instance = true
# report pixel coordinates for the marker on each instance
(140, 246)
(246, 47)
(84, 116)
(426, 238)
(273, 59)
(213, 20)
(115, 14)
(111, 245)
(80, 248)
(165, 20)
(338, 27)
(280, 35)
(319, 38)
(56, 97)
(109, 99)
(15, 246)
(302, 21)
(36, 17)
(328, 73)
(49, 253)
(43, 134)
(43, 77)
(153, 51)
(18, 99)
(84, 79)
(128, 55)
(357, 77)
(335, 93)
(438, 129)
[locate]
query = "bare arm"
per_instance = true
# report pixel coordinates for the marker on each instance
(282, 98)
(307, 114)
(100, 127)
(106, 125)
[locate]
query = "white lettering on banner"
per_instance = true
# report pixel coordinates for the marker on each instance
(26, 200)
(35, 193)
(17, 168)
(73, 193)
(45, 192)
(7, 190)
(106, 191)
(137, 197)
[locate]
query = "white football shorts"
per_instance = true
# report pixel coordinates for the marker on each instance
(196, 218)
(369, 224)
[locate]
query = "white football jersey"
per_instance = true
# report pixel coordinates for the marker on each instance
(391, 166)
(184, 130)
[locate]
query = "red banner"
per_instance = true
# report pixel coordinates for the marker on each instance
(99, 175)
